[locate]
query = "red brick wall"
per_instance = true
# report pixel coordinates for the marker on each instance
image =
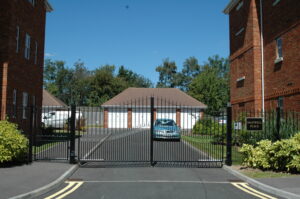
(106, 118)
(129, 118)
(22, 74)
(282, 20)
(178, 118)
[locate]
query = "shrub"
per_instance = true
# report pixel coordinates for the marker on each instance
(13, 145)
(208, 126)
(281, 155)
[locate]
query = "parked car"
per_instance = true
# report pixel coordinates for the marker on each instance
(166, 129)
(58, 119)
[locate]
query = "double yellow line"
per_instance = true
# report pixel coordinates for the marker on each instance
(246, 188)
(70, 188)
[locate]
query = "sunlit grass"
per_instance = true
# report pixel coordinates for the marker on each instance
(217, 151)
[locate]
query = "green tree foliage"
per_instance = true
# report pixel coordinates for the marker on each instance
(167, 74)
(83, 87)
(211, 85)
(133, 79)
(190, 70)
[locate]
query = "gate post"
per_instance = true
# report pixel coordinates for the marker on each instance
(30, 153)
(229, 137)
(72, 134)
(278, 123)
(151, 131)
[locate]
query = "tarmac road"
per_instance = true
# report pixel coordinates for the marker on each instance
(154, 182)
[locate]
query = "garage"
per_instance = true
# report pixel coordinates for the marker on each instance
(131, 108)
(117, 118)
(141, 118)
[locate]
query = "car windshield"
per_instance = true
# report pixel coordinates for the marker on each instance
(165, 123)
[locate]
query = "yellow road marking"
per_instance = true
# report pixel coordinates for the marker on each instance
(246, 188)
(65, 191)
(255, 191)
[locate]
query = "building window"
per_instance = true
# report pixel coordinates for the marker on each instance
(14, 114)
(36, 52)
(239, 32)
(239, 5)
(27, 46)
(240, 82)
(25, 104)
(17, 39)
(279, 56)
(276, 2)
(32, 2)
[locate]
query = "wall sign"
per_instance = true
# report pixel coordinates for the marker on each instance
(254, 123)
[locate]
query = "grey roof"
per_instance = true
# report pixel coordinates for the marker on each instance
(163, 97)
(51, 101)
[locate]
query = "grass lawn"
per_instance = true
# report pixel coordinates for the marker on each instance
(204, 143)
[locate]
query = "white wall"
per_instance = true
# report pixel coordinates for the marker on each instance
(117, 118)
(141, 118)
(189, 117)
(166, 113)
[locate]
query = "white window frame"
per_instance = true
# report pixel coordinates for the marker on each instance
(14, 101)
(27, 46)
(36, 52)
(17, 39)
(276, 2)
(240, 5)
(25, 105)
(279, 53)
(240, 31)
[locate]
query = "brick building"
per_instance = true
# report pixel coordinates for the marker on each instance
(22, 38)
(264, 76)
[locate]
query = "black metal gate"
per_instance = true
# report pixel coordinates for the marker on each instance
(150, 131)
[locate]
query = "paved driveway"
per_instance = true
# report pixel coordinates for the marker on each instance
(134, 145)
(156, 182)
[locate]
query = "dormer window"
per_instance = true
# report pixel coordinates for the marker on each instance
(239, 5)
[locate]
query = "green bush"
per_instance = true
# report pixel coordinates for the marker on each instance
(13, 145)
(281, 155)
(207, 126)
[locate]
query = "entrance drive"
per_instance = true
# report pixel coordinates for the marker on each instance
(148, 131)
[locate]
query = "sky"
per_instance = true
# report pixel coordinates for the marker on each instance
(137, 34)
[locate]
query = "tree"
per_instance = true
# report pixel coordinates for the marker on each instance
(133, 79)
(190, 70)
(104, 85)
(211, 85)
(167, 74)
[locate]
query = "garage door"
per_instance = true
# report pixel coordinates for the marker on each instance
(189, 117)
(117, 118)
(166, 113)
(141, 118)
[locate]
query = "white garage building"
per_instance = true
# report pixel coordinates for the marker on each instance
(131, 108)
